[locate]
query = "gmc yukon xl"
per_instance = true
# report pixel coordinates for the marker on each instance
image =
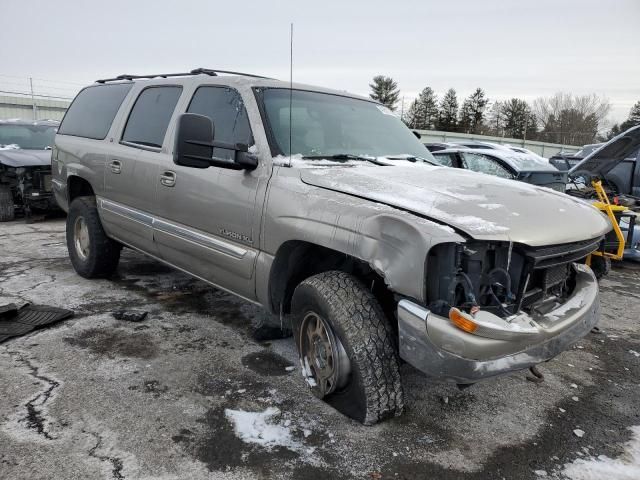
(323, 207)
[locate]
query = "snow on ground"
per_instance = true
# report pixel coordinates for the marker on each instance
(626, 467)
(262, 428)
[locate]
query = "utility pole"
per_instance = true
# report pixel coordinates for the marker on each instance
(402, 109)
(33, 101)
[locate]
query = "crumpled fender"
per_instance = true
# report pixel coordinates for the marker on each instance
(393, 242)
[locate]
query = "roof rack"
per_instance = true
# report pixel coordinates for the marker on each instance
(197, 71)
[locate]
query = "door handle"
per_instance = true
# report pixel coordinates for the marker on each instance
(116, 166)
(168, 178)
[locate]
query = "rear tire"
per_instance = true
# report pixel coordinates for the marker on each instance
(92, 253)
(601, 266)
(346, 347)
(7, 207)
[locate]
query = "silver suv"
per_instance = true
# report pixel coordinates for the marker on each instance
(323, 205)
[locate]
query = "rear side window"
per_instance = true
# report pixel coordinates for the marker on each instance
(484, 164)
(225, 107)
(445, 159)
(150, 116)
(93, 110)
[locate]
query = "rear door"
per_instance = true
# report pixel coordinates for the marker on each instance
(132, 167)
(208, 219)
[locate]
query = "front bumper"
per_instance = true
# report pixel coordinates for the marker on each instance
(433, 345)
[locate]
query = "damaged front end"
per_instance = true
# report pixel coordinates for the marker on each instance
(30, 186)
(495, 307)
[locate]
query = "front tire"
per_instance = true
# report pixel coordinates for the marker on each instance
(600, 265)
(92, 253)
(346, 347)
(7, 207)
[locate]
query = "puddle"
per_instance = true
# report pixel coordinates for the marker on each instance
(115, 342)
(267, 363)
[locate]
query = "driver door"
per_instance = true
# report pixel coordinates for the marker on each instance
(208, 221)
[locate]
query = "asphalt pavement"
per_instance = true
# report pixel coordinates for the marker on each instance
(188, 393)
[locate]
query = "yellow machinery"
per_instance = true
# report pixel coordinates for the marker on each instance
(614, 212)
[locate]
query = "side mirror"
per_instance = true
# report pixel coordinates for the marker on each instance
(194, 141)
(195, 144)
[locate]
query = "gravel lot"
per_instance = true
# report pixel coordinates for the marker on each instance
(94, 397)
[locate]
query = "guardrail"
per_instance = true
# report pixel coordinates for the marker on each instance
(544, 149)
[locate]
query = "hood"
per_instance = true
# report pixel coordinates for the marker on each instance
(602, 160)
(482, 206)
(25, 158)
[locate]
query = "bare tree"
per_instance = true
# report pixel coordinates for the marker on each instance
(572, 119)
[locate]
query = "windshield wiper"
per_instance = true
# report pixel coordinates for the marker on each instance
(411, 158)
(345, 157)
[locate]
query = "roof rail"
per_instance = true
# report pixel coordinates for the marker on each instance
(196, 71)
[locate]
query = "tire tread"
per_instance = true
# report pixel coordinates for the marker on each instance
(370, 337)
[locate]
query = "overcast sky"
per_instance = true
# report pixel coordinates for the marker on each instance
(508, 47)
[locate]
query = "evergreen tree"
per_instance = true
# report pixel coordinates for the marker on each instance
(385, 90)
(517, 115)
(471, 116)
(477, 103)
(633, 120)
(423, 112)
(448, 114)
(465, 118)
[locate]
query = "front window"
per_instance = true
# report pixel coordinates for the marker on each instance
(445, 159)
(484, 164)
(326, 125)
(225, 108)
(27, 137)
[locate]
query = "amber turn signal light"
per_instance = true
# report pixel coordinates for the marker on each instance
(462, 321)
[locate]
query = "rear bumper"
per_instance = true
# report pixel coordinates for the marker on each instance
(440, 350)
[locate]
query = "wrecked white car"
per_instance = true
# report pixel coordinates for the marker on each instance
(324, 205)
(25, 167)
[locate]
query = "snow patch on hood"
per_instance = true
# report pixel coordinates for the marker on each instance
(298, 161)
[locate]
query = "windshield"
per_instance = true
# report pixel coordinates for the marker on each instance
(586, 150)
(327, 125)
(28, 137)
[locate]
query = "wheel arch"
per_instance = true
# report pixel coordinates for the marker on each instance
(297, 260)
(78, 187)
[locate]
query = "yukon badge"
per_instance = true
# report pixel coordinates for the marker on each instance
(236, 236)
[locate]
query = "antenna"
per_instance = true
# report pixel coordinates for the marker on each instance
(290, 91)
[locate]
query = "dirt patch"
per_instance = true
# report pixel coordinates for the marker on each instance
(267, 363)
(114, 342)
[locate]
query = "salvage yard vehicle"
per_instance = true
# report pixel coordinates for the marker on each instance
(506, 164)
(323, 205)
(25, 167)
(597, 178)
(620, 178)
